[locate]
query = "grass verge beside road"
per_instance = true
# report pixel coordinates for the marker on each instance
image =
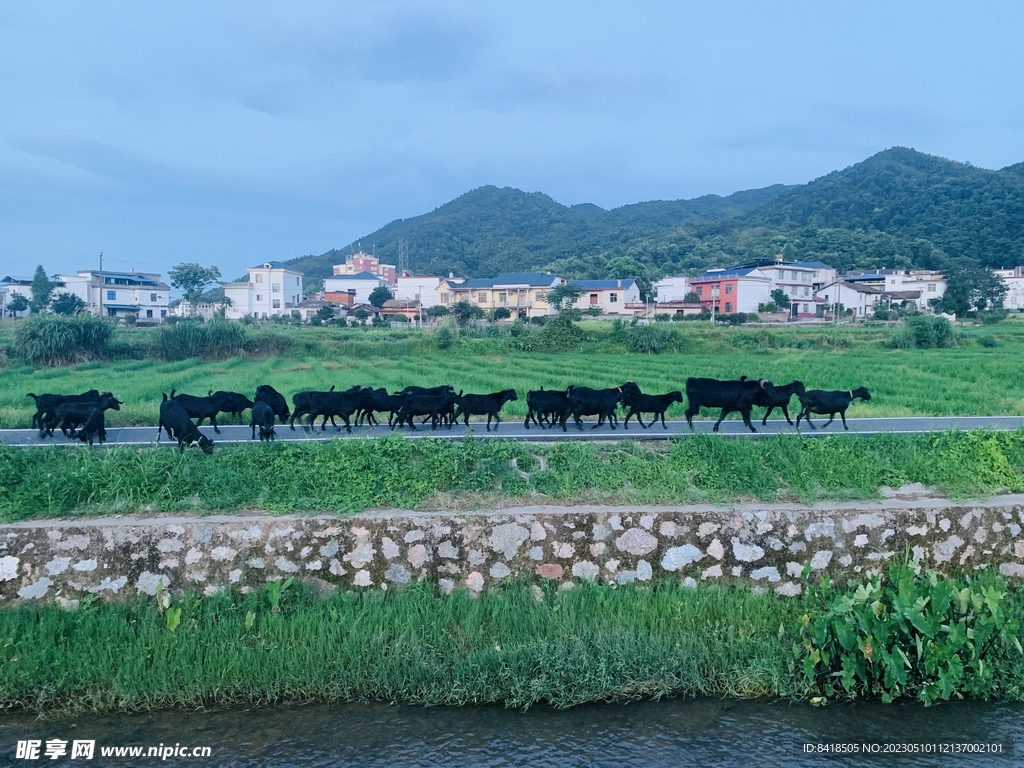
(352, 475)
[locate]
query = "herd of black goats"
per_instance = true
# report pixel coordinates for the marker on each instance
(81, 415)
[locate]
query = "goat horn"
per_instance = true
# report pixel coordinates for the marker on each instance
(762, 382)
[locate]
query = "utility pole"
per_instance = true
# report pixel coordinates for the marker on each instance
(101, 284)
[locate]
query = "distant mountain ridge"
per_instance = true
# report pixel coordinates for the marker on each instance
(899, 207)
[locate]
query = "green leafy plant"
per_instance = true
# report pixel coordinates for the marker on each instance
(276, 590)
(58, 340)
(907, 634)
(173, 618)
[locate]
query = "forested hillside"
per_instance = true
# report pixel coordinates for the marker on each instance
(899, 208)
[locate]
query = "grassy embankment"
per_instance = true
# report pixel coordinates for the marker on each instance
(347, 476)
(591, 643)
(970, 379)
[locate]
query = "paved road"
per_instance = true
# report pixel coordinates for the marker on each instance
(515, 430)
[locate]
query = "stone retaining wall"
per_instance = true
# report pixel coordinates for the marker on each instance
(766, 545)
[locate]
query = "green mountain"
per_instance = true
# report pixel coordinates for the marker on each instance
(491, 230)
(898, 208)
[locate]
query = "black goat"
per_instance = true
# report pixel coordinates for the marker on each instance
(46, 406)
(550, 405)
(478, 405)
(232, 402)
(340, 404)
(175, 419)
(208, 407)
(303, 402)
(94, 427)
(436, 407)
(445, 389)
(584, 401)
(70, 416)
(262, 416)
(267, 394)
(728, 395)
(832, 402)
(779, 398)
(639, 403)
(380, 401)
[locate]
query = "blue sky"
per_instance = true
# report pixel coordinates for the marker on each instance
(230, 133)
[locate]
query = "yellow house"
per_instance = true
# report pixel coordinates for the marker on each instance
(524, 294)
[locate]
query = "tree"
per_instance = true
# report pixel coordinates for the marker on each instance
(780, 299)
(970, 287)
(65, 303)
(789, 253)
(41, 290)
(192, 279)
(323, 315)
(594, 310)
(360, 314)
(18, 303)
(438, 310)
(379, 295)
(691, 298)
(464, 312)
(626, 267)
(501, 313)
(564, 296)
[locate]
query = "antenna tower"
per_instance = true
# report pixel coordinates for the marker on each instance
(403, 256)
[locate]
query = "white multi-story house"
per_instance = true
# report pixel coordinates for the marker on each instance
(823, 273)
(141, 295)
(273, 288)
(10, 287)
(1014, 279)
(859, 297)
(613, 297)
(919, 286)
(796, 281)
(672, 289)
(363, 284)
(424, 289)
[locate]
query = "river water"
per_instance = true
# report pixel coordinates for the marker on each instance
(666, 733)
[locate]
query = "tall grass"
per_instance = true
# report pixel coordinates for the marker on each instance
(48, 340)
(214, 340)
(591, 644)
(516, 646)
(394, 472)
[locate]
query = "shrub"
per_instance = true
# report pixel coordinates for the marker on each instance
(190, 338)
(662, 317)
(58, 340)
(444, 337)
(992, 317)
(930, 332)
(907, 634)
(501, 313)
(647, 339)
(988, 341)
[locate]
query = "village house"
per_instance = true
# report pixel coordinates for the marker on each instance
(727, 291)
(403, 310)
(273, 289)
(524, 294)
(918, 286)
(363, 284)
(612, 297)
(1014, 279)
(361, 262)
(672, 289)
(10, 288)
(139, 295)
(418, 288)
(859, 297)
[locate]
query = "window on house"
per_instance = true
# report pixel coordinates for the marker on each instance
(259, 278)
(503, 298)
(152, 297)
(277, 303)
(931, 287)
(259, 297)
(700, 290)
(807, 291)
(807, 307)
(149, 313)
(111, 295)
(541, 295)
(481, 298)
(728, 288)
(593, 298)
(613, 298)
(728, 306)
(444, 298)
(275, 288)
(163, 313)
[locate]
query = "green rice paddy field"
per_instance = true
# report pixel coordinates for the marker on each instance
(970, 379)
